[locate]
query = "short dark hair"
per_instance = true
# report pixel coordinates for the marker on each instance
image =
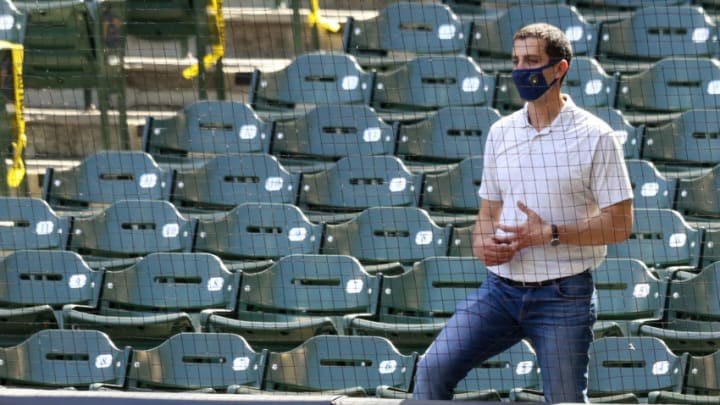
(557, 46)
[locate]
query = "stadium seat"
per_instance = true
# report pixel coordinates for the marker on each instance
(30, 223)
(452, 196)
(702, 383)
(163, 294)
(328, 132)
(690, 139)
(77, 44)
(387, 234)
(415, 305)
(669, 87)
(461, 241)
(651, 189)
(599, 11)
(55, 358)
(259, 231)
(491, 42)
(698, 196)
(298, 297)
(628, 135)
(628, 293)
(448, 136)
(692, 317)
(311, 79)
(653, 32)
(628, 369)
(35, 284)
(355, 183)
(404, 30)
(428, 83)
(711, 243)
(105, 177)
(585, 82)
(206, 128)
(340, 365)
(182, 20)
(661, 238)
(197, 361)
(226, 181)
(130, 229)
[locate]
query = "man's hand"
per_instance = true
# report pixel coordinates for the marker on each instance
(534, 231)
(492, 251)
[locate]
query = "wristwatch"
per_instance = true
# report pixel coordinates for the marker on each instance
(555, 239)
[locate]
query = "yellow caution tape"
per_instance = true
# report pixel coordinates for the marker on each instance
(216, 20)
(17, 172)
(316, 18)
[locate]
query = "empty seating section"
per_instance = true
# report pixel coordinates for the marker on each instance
(314, 234)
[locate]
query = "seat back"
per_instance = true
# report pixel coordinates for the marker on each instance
(633, 365)
(660, 238)
(701, 377)
(330, 132)
(691, 139)
(693, 298)
(105, 177)
(206, 128)
(312, 78)
(433, 82)
(56, 358)
(190, 361)
(329, 362)
(30, 223)
(651, 189)
(359, 182)
(626, 290)
(629, 136)
(259, 231)
(133, 228)
(420, 28)
(456, 189)
(697, 196)
(450, 134)
(516, 367)
(386, 234)
(229, 180)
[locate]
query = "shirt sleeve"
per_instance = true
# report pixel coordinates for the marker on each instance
(610, 182)
(489, 187)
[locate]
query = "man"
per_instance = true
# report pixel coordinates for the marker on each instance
(555, 191)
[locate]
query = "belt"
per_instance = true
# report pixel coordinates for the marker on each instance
(534, 284)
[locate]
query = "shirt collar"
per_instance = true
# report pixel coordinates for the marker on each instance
(563, 122)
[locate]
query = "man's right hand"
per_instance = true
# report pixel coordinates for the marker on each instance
(492, 250)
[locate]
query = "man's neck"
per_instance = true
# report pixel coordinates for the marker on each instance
(543, 111)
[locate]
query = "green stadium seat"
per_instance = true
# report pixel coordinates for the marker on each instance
(206, 128)
(428, 83)
(355, 183)
(210, 362)
(340, 365)
(698, 196)
(451, 197)
(669, 87)
(311, 79)
(298, 297)
(35, 284)
(692, 317)
(226, 181)
(651, 189)
(661, 238)
(404, 30)
(55, 358)
(448, 136)
(163, 294)
(690, 139)
(105, 177)
(415, 305)
(78, 44)
(30, 223)
(327, 133)
(387, 234)
(702, 383)
(653, 32)
(491, 42)
(628, 294)
(130, 229)
(258, 232)
(628, 135)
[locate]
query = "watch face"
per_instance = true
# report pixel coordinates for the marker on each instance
(554, 242)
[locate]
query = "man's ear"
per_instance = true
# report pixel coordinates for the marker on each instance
(563, 67)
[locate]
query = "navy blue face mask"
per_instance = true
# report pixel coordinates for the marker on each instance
(531, 83)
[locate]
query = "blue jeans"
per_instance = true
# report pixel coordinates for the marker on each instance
(557, 319)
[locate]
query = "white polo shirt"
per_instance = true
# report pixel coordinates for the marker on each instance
(566, 173)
